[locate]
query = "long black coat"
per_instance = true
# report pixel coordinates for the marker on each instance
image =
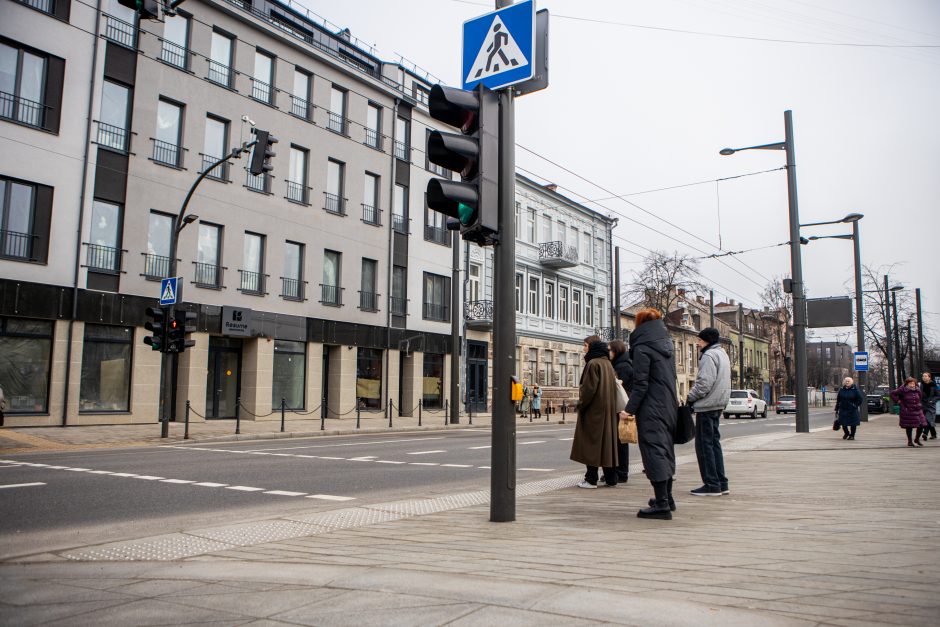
(847, 404)
(624, 369)
(653, 398)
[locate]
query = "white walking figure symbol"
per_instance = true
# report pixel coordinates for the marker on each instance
(496, 48)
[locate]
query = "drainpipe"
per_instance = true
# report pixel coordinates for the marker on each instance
(391, 246)
(81, 218)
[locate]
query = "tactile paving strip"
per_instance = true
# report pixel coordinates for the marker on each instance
(164, 548)
(249, 534)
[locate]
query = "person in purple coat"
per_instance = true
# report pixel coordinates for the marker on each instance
(908, 396)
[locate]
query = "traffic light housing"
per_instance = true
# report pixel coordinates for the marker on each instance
(474, 153)
(156, 324)
(263, 153)
(178, 329)
(148, 9)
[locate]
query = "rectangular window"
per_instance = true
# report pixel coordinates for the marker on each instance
(288, 379)
(106, 369)
(370, 199)
(16, 220)
(563, 369)
(374, 126)
(520, 299)
(576, 306)
(166, 141)
(104, 254)
(22, 79)
(209, 255)
(176, 41)
(25, 364)
(292, 284)
(432, 384)
(475, 272)
(403, 139)
(563, 303)
(334, 201)
(399, 299)
(586, 247)
(337, 112)
(549, 300)
(562, 232)
(546, 229)
(691, 362)
(330, 288)
(215, 147)
(252, 273)
(589, 310)
(157, 260)
(547, 366)
(262, 81)
(601, 312)
(434, 230)
(530, 226)
(368, 299)
(113, 115)
(575, 361)
(297, 176)
(400, 209)
(121, 27)
(220, 59)
(601, 260)
(575, 237)
(533, 296)
(300, 96)
(518, 220)
(533, 364)
(436, 297)
(369, 378)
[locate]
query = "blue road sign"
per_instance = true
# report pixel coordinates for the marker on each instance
(169, 290)
(861, 361)
(499, 47)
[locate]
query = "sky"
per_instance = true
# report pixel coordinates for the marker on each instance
(633, 105)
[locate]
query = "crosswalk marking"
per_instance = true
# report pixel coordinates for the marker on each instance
(478, 448)
(176, 481)
(532, 442)
(243, 488)
(330, 497)
(210, 484)
(456, 465)
(285, 493)
(423, 464)
(149, 477)
(20, 485)
(426, 452)
(538, 469)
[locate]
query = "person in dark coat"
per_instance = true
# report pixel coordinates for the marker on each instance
(929, 396)
(653, 402)
(595, 434)
(912, 414)
(847, 403)
(620, 360)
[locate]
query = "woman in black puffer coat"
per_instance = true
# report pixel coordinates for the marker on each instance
(620, 360)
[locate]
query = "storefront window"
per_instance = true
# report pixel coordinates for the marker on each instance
(369, 378)
(106, 368)
(289, 381)
(25, 359)
(433, 382)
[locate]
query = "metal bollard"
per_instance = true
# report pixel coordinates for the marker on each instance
(238, 415)
(564, 410)
(283, 403)
(186, 423)
(390, 411)
(420, 407)
(446, 410)
(358, 411)
(323, 411)
(469, 414)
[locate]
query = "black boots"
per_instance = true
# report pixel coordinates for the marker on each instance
(660, 506)
(672, 502)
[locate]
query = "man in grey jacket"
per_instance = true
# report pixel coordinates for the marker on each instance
(709, 397)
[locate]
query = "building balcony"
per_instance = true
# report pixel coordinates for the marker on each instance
(219, 172)
(369, 301)
(609, 334)
(371, 215)
(156, 266)
(113, 137)
(398, 306)
(478, 314)
(208, 275)
(251, 282)
(22, 110)
(299, 108)
(558, 255)
(437, 234)
(292, 289)
(334, 203)
(220, 74)
(120, 32)
(373, 139)
(15, 245)
(338, 123)
(174, 54)
(105, 259)
(298, 192)
(261, 91)
(331, 295)
(166, 153)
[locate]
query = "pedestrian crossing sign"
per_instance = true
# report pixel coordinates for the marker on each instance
(169, 291)
(499, 47)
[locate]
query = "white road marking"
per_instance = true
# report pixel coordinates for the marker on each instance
(285, 493)
(367, 458)
(288, 448)
(484, 467)
(478, 448)
(565, 439)
(538, 469)
(330, 497)
(244, 488)
(20, 485)
(423, 464)
(9, 465)
(426, 452)
(149, 477)
(209, 484)
(77, 469)
(176, 481)
(123, 474)
(101, 472)
(532, 442)
(385, 461)
(456, 465)
(332, 458)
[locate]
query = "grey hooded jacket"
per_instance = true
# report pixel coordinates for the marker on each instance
(712, 387)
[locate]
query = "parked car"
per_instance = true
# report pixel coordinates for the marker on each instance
(746, 402)
(877, 404)
(786, 403)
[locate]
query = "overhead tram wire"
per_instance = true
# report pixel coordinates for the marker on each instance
(671, 187)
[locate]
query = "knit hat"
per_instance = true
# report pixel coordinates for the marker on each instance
(710, 335)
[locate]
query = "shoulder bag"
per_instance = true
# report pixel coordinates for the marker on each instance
(685, 426)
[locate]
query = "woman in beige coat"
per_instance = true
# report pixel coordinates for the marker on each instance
(595, 435)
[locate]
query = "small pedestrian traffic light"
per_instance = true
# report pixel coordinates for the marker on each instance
(474, 153)
(263, 153)
(174, 335)
(156, 324)
(148, 9)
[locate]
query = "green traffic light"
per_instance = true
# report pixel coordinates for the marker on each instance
(465, 213)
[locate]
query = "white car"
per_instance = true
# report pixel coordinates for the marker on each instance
(746, 403)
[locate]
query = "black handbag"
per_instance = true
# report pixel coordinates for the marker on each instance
(836, 425)
(685, 426)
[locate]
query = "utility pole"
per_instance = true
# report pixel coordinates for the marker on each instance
(741, 345)
(910, 351)
(455, 316)
(616, 324)
(920, 336)
(859, 319)
(889, 340)
(711, 308)
(897, 339)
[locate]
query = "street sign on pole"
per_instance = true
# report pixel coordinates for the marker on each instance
(499, 47)
(170, 290)
(861, 361)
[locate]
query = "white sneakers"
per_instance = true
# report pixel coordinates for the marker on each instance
(587, 486)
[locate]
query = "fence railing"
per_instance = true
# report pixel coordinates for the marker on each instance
(22, 110)
(261, 90)
(436, 234)
(373, 139)
(297, 192)
(478, 310)
(219, 172)
(16, 245)
(402, 151)
(45, 6)
(208, 275)
(369, 301)
(174, 54)
(112, 136)
(334, 204)
(166, 153)
(331, 294)
(251, 282)
(120, 32)
(260, 183)
(434, 311)
(398, 306)
(292, 289)
(103, 258)
(337, 123)
(219, 74)
(299, 107)
(156, 266)
(400, 223)
(371, 215)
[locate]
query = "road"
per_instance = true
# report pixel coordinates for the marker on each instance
(53, 501)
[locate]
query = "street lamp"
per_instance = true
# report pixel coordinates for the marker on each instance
(796, 269)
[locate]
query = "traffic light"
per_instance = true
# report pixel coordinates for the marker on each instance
(187, 323)
(156, 325)
(148, 9)
(474, 153)
(262, 153)
(174, 335)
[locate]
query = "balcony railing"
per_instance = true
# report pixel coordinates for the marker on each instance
(398, 306)
(120, 32)
(402, 151)
(112, 136)
(174, 54)
(400, 223)
(156, 266)
(292, 289)
(22, 110)
(558, 255)
(300, 107)
(261, 90)
(251, 282)
(208, 274)
(434, 311)
(45, 6)
(166, 153)
(478, 314)
(220, 74)
(219, 172)
(337, 123)
(297, 192)
(373, 139)
(334, 204)
(15, 245)
(609, 334)
(436, 234)
(369, 301)
(331, 295)
(260, 183)
(371, 215)
(103, 258)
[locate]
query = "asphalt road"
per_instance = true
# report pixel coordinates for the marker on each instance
(54, 501)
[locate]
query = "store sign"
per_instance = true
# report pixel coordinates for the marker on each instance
(236, 321)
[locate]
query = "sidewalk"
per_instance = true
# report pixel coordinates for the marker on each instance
(817, 531)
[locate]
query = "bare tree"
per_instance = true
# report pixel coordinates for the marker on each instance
(660, 279)
(781, 338)
(878, 307)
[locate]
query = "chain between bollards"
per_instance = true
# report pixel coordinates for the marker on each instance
(238, 415)
(283, 403)
(186, 423)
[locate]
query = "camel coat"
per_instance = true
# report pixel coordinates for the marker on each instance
(595, 436)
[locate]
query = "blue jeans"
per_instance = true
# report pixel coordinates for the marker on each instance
(711, 462)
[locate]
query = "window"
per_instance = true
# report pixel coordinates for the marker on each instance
(399, 291)
(120, 26)
(330, 289)
(589, 309)
(586, 247)
(563, 303)
(530, 226)
(563, 369)
(434, 229)
(601, 312)
(220, 59)
(432, 384)
(292, 283)
(576, 306)
(337, 113)
(252, 277)
(215, 147)
(533, 296)
(166, 144)
(297, 175)
(601, 260)
(422, 94)
(546, 229)
(25, 364)
(370, 199)
(520, 301)
(46, 6)
(103, 253)
(334, 201)
(369, 378)
(106, 369)
(562, 232)
(22, 79)
(374, 126)
(691, 362)
(16, 220)
(575, 237)
(208, 256)
(368, 299)
(288, 380)
(545, 375)
(113, 115)
(403, 139)
(262, 82)
(176, 41)
(518, 219)
(157, 259)
(436, 297)
(549, 301)
(475, 271)
(400, 209)
(575, 361)
(300, 96)
(533, 363)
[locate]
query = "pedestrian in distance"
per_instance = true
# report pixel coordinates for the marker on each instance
(524, 406)
(848, 401)
(911, 417)
(653, 403)
(708, 398)
(537, 401)
(620, 360)
(595, 434)
(930, 394)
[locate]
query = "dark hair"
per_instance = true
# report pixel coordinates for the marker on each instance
(910, 380)
(618, 348)
(591, 339)
(647, 314)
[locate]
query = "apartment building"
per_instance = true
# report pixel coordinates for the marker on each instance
(751, 347)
